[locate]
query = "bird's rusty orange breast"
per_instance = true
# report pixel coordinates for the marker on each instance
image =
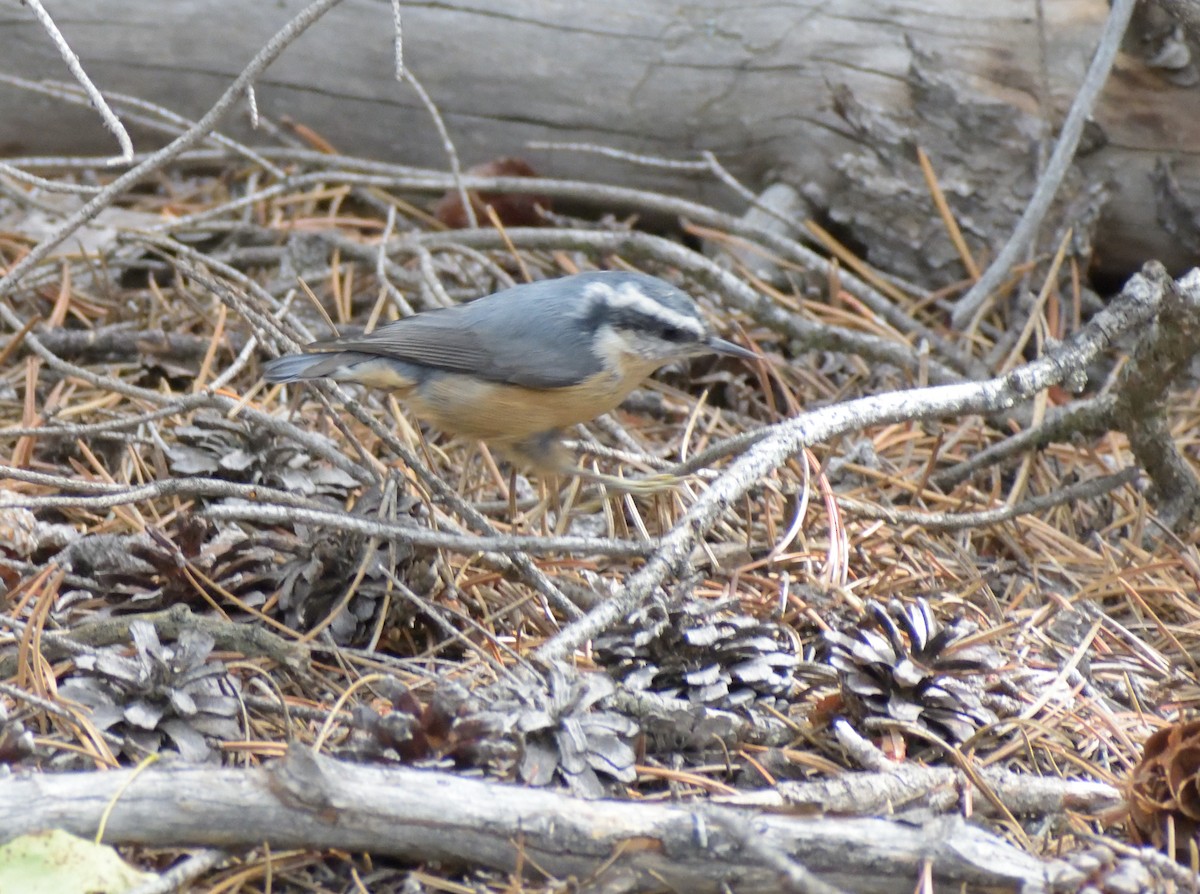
(462, 405)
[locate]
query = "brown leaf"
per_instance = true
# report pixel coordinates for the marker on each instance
(515, 209)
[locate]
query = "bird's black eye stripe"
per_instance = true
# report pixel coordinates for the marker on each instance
(632, 320)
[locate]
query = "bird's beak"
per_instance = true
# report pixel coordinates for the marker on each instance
(728, 348)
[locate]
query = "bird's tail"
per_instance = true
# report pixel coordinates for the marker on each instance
(298, 367)
(346, 366)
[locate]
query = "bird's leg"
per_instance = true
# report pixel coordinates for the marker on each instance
(523, 455)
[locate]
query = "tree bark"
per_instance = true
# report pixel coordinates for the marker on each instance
(831, 97)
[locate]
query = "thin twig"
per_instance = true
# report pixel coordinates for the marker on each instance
(198, 132)
(1060, 162)
(160, 120)
(957, 521)
(111, 121)
(1087, 418)
(184, 873)
(508, 544)
(404, 73)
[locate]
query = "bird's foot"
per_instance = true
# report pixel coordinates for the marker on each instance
(638, 487)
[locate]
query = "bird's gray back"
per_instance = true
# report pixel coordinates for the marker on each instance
(537, 335)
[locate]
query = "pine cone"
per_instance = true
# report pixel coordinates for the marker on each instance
(18, 527)
(314, 578)
(901, 664)
(563, 732)
(447, 730)
(703, 652)
(161, 693)
(541, 729)
(306, 573)
(16, 742)
(234, 450)
(1164, 788)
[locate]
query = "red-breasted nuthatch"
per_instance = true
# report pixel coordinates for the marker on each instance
(516, 367)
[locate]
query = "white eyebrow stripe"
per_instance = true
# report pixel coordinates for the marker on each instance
(629, 296)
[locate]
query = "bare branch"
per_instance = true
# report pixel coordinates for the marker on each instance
(1136, 304)
(1056, 168)
(312, 801)
(111, 121)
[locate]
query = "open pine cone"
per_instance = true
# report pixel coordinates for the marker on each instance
(901, 664)
(1164, 788)
(445, 730)
(161, 696)
(234, 450)
(540, 729)
(701, 651)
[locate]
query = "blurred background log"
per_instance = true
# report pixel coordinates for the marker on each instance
(833, 98)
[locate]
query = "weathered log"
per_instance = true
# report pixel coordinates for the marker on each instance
(832, 97)
(309, 802)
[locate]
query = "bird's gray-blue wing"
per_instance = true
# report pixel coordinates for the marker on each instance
(533, 343)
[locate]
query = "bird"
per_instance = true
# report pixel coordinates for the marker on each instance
(516, 367)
